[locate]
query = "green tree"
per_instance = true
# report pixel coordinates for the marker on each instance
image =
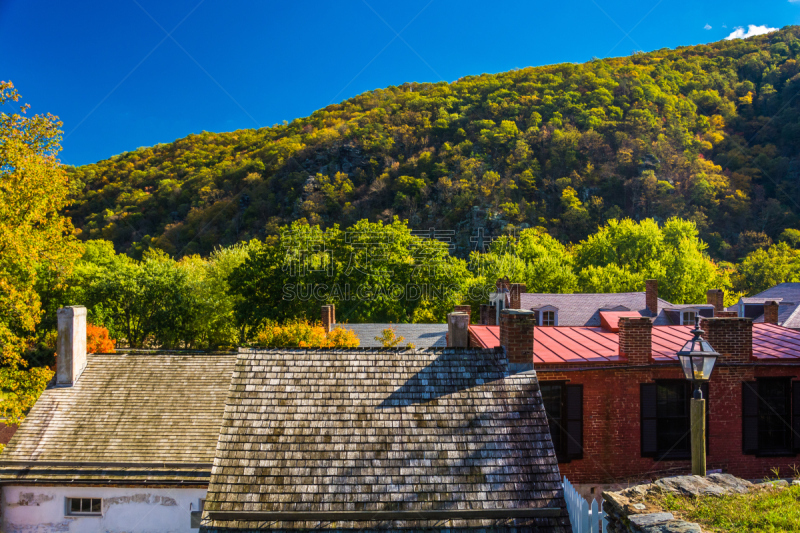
(36, 242)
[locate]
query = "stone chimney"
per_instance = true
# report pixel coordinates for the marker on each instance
(651, 295)
(716, 297)
(457, 330)
(636, 340)
(516, 290)
(732, 338)
(771, 313)
(71, 345)
(328, 317)
(488, 315)
(516, 336)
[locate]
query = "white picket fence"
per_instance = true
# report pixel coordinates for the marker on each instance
(584, 518)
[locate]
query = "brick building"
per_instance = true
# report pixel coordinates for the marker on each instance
(618, 404)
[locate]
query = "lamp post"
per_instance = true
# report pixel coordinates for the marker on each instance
(697, 359)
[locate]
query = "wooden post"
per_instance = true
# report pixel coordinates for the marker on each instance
(698, 421)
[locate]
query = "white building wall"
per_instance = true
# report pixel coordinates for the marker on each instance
(33, 509)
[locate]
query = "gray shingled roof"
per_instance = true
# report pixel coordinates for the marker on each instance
(420, 335)
(583, 309)
(128, 417)
(788, 297)
(382, 430)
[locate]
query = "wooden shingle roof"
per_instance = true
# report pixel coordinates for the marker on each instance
(129, 419)
(383, 431)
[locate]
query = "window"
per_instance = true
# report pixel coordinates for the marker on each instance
(548, 318)
(84, 506)
(666, 419)
(768, 427)
(196, 516)
(688, 318)
(564, 407)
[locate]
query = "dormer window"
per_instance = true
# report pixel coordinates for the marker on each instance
(546, 315)
(687, 318)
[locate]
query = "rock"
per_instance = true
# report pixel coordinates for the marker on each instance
(673, 526)
(650, 519)
(777, 484)
(795, 482)
(713, 485)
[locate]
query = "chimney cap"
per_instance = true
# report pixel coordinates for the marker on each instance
(71, 310)
(516, 311)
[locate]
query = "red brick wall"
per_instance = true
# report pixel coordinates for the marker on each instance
(516, 334)
(635, 340)
(463, 309)
(732, 338)
(771, 312)
(328, 315)
(651, 295)
(516, 290)
(611, 424)
(716, 297)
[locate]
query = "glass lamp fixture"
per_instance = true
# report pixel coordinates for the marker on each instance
(697, 359)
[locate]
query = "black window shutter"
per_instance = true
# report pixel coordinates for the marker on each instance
(574, 419)
(749, 417)
(704, 389)
(649, 414)
(796, 414)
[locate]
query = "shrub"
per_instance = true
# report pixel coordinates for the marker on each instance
(304, 334)
(97, 340)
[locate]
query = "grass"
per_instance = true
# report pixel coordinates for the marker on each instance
(766, 511)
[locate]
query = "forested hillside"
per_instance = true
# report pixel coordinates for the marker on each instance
(707, 133)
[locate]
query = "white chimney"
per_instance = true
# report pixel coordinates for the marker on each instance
(71, 345)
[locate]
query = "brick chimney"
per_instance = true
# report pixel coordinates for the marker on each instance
(771, 313)
(488, 317)
(726, 314)
(502, 284)
(732, 338)
(516, 336)
(636, 339)
(71, 345)
(651, 295)
(464, 309)
(328, 317)
(516, 290)
(716, 297)
(457, 330)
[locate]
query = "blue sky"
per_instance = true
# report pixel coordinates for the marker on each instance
(130, 73)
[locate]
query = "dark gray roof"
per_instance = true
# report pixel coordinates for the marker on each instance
(583, 309)
(128, 418)
(420, 335)
(788, 297)
(383, 430)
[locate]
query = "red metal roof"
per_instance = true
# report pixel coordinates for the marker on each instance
(610, 319)
(581, 344)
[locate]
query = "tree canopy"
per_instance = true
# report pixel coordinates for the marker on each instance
(37, 246)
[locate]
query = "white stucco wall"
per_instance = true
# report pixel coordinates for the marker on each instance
(33, 509)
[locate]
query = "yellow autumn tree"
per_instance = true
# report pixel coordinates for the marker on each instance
(36, 243)
(304, 334)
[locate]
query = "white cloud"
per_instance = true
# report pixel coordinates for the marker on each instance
(708, 26)
(752, 31)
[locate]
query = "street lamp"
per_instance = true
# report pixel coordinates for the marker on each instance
(697, 359)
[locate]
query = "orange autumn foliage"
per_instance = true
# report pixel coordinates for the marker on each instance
(97, 340)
